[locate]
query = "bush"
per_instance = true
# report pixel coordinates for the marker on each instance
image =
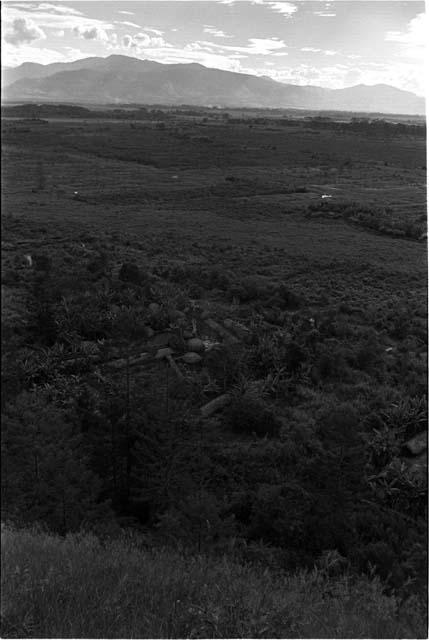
(290, 300)
(249, 414)
(130, 273)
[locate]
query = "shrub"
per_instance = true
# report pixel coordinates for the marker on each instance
(331, 363)
(249, 414)
(130, 273)
(289, 299)
(295, 356)
(42, 262)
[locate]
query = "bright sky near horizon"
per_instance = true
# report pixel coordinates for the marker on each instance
(331, 44)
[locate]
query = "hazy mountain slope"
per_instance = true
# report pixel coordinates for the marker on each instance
(124, 79)
(32, 70)
(379, 97)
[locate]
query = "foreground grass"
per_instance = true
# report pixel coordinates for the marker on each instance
(79, 587)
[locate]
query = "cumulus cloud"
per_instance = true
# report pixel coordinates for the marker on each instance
(91, 33)
(127, 41)
(127, 13)
(402, 75)
(143, 41)
(413, 40)
(23, 30)
(303, 74)
(155, 31)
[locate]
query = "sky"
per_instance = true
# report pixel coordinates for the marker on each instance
(331, 44)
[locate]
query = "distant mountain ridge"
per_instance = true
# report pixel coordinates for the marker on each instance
(123, 79)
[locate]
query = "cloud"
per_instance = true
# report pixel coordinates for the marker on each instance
(91, 33)
(414, 39)
(127, 13)
(59, 9)
(332, 77)
(143, 41)
(410, 77)
(285, 8)
(326, 52)
(405, 76)
(24, 30)
(192, 52)
(208, 59)
(43, 15)
(127, 41)
(157, 32)
(325, 14)
(13, 56)
(258, 46)
(130, 24)
(218, 33)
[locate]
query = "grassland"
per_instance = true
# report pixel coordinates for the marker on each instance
(76, 587)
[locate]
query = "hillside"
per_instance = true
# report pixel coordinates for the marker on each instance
(214, 333)
(122, 79)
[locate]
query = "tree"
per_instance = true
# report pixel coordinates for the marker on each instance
(45, 467)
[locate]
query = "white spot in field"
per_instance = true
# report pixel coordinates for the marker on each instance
(325, 196)
(209, 344)
(174, 177)
(29, 260)
(389, 349)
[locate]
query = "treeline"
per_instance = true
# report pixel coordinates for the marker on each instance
(37, 111)
(372, 128)
(377, 127)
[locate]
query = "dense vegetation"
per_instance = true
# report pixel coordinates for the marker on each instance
(149, 271)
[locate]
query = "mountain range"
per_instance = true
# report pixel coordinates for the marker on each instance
(123, 79)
